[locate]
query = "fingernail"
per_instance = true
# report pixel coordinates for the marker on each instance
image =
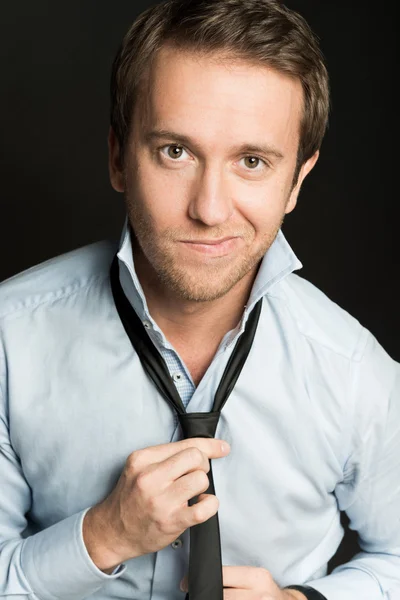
(182, 586)
(225, 447)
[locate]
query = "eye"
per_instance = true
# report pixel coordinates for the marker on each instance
(174, 151)
(251, 162)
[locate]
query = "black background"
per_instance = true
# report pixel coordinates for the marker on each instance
(55, 193)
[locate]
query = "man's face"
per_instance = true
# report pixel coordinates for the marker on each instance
(208, 171)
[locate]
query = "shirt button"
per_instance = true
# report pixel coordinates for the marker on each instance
(147, 324)
(177, 544)
(177, 377)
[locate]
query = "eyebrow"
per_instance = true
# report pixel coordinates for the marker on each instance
(184, 139)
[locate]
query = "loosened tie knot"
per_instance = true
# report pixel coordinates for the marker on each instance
(199, 424)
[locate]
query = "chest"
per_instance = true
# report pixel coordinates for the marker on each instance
(197, 359)
(197, 368)
(79, 413)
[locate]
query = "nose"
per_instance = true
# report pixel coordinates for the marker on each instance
(210, 200)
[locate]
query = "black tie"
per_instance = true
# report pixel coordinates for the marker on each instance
(205, 563)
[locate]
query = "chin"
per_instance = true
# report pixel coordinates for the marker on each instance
(200, 287)
(199, 294)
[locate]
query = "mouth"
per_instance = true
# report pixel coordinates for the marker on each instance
(216, 248)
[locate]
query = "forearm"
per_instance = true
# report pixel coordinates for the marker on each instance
(51, 564)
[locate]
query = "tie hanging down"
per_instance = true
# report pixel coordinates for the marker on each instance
(205, 563)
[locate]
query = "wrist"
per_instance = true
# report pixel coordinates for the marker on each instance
(97, 536)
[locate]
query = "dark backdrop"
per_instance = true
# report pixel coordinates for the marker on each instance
(55, 194)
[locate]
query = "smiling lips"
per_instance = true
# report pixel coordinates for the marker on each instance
(219, 247)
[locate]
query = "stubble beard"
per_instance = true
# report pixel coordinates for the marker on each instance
(204, 284)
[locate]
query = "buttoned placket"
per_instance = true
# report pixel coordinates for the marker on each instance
(174, 558)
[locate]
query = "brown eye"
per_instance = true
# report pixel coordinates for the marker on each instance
(175, 151)
(252, 161)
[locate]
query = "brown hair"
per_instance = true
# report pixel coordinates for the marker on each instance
(264, 32)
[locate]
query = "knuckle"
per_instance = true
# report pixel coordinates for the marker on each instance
(195, 455)
(143, 480)
(193, 482)
(205, 510)
(162, 522)
(202, 480)
(161, 525)
(132, 463)
(159, 515)
(264, 578)
(199, 513)
(152, 501)
(267, 575)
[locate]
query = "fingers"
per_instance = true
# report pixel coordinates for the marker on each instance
(190, 485)
(169, 462)
(206, 507)
(160, 480)
(211, 447)
(240, 579)
(247, 578)
(231, 594)
(148, 507)
(184, 462)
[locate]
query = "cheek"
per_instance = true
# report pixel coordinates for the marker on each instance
(156, 200)
(166, 192)
(265, 209)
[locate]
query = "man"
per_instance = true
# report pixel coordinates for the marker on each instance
(218, 113)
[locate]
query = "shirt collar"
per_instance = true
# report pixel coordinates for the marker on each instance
(278, 262)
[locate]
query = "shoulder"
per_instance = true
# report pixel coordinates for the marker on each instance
(319, 318)
(57, 278)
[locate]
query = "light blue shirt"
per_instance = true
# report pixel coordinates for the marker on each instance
(313, 423)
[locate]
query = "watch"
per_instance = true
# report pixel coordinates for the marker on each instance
(309, 592)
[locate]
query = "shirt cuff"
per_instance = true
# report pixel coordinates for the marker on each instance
(56, 563)
(348, 584)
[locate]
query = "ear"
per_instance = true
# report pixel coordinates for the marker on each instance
(304, 171)
(114, 163)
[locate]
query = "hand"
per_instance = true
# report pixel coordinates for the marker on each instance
(148, 508)
(250, 583)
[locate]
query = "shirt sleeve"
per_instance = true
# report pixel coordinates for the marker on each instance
(53, 563)
(370, 490)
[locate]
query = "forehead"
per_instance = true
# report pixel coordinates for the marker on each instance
(220, 98)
